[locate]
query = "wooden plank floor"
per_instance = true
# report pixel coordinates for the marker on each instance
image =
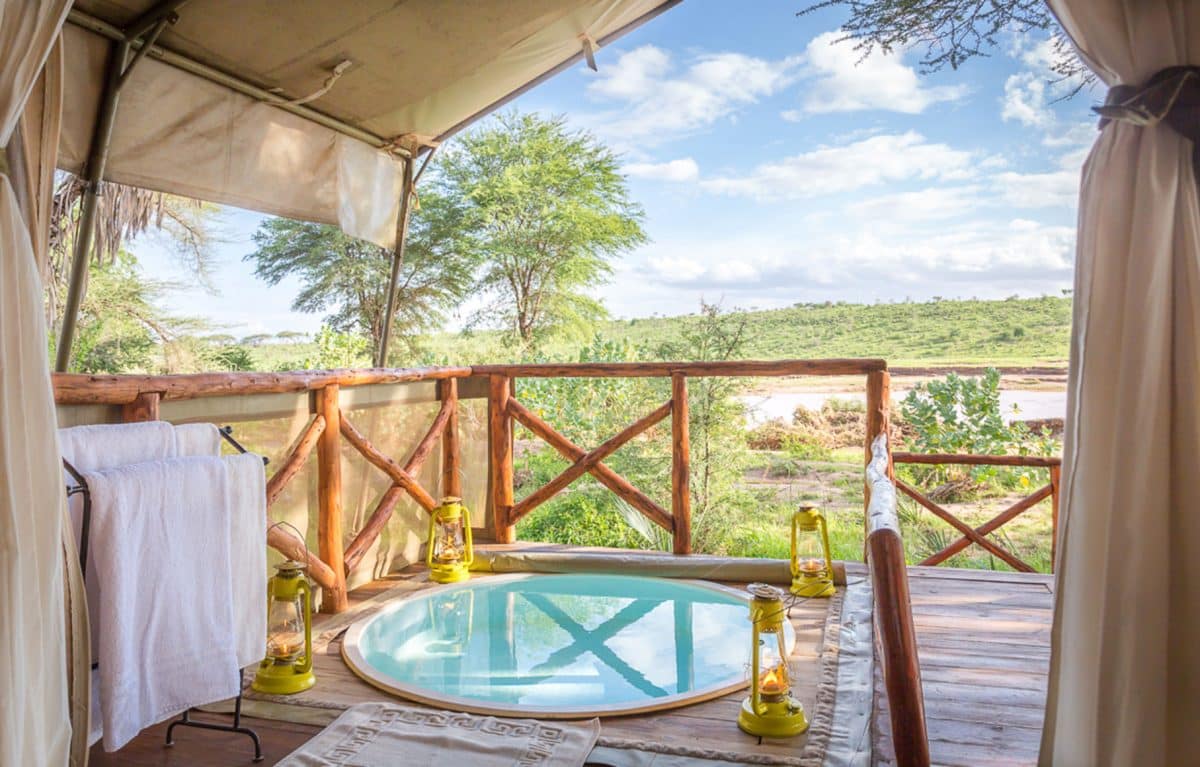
(984, 643)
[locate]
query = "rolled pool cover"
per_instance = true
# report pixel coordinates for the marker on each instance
(647, 563)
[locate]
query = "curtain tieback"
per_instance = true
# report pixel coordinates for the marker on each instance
(1172, 96)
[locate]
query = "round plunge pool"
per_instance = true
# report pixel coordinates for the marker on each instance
(558, 646)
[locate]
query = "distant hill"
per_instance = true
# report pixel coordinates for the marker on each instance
(1011, 332)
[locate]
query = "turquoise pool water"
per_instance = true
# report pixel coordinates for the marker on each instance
(557, 645)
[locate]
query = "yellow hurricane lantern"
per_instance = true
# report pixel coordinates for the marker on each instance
(449, 551)
(770, 711)
(287, 667)
(812, 566)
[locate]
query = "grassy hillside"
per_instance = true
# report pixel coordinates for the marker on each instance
(1016, 332)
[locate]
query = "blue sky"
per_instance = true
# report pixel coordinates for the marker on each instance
(776, 167)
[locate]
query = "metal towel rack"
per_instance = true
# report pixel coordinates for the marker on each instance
(81, 488)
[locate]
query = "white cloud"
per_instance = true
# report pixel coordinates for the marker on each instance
(1056, 188)
(1025, 101)
(833, 169)
(684, 169)
(792, 115)
(659, 100)
(932, 204)
(845, 81)
(975, 257)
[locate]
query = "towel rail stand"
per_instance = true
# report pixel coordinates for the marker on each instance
(185, 720)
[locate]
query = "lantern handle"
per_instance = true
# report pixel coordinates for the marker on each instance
(299, 536)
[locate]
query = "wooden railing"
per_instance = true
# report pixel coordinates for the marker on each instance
(504, 409)
(979, 535)
(898, 659)
(139, 398)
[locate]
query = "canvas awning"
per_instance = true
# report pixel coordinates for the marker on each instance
(205, 114)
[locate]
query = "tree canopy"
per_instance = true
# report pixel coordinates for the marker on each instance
(348, 278)
(951, 32)
(543, 210)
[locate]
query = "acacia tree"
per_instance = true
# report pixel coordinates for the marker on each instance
(544, 210)
(953, 31)
(348, 277)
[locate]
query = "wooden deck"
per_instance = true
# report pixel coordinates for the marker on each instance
(984, 641)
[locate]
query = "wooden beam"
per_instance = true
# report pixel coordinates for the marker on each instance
(295, 459)
(877, 422)
(681, 466)
(421, 452)
(80, 389)
(451, 469)
(749, 368)
(293, 548)
(144, 407)
(329, 495)
(898, 657)
(388, 466)
(1055, 488)
(1001, 519)
(620, 486)
(373, 526)
(586, 462)
(387, 504)
(963, 459)
(501, 464)
(962, 527)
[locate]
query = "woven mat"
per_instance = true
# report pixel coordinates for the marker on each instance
(387, 734)
(824, 650)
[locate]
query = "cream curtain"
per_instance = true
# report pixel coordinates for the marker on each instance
(35, 727)
(1124, 679)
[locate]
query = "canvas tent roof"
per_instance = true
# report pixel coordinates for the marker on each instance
(196, 116)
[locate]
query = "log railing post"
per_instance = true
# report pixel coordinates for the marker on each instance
(451, 473)
(329, 495)
(879, 397)
(144, 407)
(500, 438)
(681, 499)
(1055, 486)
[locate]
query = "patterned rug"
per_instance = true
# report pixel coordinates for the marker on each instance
(387, 734)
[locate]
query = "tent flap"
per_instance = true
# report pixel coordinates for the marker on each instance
(419, 71)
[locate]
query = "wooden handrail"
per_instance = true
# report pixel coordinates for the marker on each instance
(81, 389)
(898, 659)
(970, 459)
(734, 368)
(295, 459)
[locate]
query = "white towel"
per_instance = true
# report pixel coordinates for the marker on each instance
(248, 555)
(107, 446)
(197, 439)
(164, 617)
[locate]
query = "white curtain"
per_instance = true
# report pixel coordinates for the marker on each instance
(35, 727)
(1124, 677)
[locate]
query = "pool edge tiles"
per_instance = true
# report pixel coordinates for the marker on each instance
(530, 650)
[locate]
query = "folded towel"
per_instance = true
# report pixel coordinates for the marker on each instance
(164, 616)
(106, 446)
(197, 439)
(248, 555)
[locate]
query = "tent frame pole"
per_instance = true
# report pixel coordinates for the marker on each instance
(151, 24)
(406, 196)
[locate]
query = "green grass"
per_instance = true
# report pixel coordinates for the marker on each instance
(1013, 332)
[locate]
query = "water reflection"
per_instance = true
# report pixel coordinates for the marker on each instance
(569, 640)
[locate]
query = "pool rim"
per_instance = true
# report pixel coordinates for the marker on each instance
(357, 663)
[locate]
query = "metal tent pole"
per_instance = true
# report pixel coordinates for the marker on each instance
(406, 195)
(151, 25)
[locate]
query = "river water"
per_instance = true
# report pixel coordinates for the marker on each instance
(1030, 404)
